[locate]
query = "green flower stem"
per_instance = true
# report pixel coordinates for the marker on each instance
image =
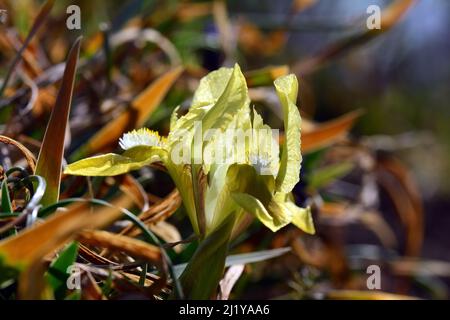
(205, 269)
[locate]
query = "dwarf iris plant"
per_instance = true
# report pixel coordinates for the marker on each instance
(218, 194)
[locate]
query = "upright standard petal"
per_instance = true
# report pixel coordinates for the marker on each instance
(289, 172)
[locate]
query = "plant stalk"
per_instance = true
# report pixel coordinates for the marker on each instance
(205, 269)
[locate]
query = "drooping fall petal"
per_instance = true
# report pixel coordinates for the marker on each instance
(112, 164)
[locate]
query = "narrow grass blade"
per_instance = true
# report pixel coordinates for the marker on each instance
(31, 207)
(323, 176)
(57, 274)
(258, 256)
(243, 258)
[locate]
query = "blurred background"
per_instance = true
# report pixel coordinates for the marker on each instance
(375, 105)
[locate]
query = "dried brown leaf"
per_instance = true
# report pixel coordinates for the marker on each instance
(112, 241)
(38, 22)
(134, 116)
(31, 160)
(49, 164)
(395, 179)
(325, 134)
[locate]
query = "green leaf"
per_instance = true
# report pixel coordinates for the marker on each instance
(202, 274)
(76, 295)
(8, 271)
(112, 164)
(244, 258)
(291, 158)
(323, 176)
(6, 201)
(57, 273)
(52, 150)
(258, 256)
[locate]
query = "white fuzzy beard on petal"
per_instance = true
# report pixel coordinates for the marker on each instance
(141, 137)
